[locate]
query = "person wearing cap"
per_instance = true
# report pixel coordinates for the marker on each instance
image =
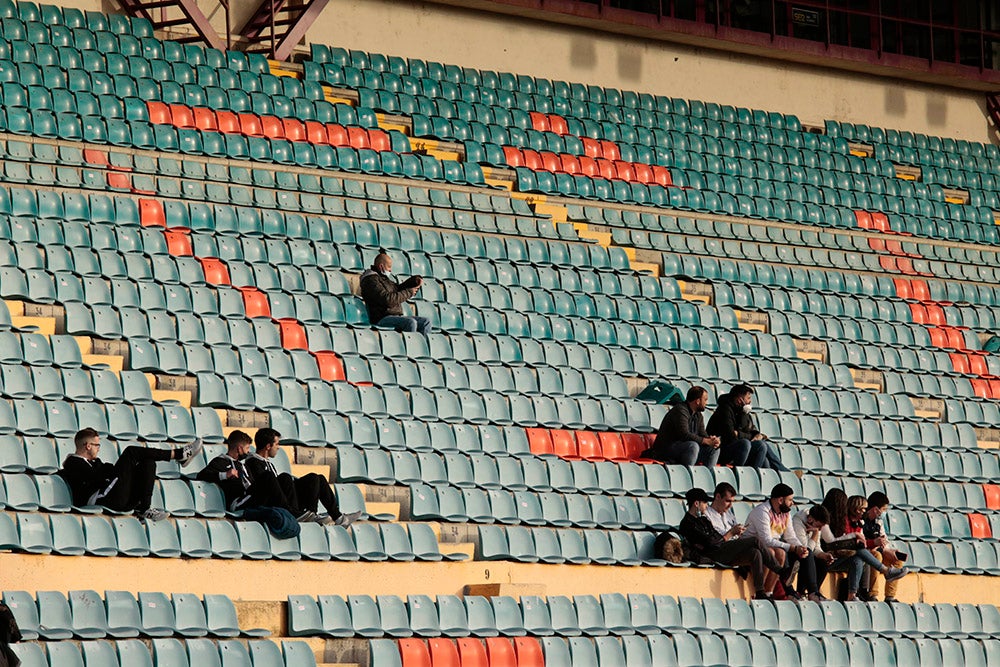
(384, 296)
(771, 525)
(726, 549)
(682, 438)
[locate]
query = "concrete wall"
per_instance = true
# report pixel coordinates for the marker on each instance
(492, 41)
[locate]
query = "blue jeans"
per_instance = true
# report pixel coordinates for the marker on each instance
(744, 452)
(402, 323)
(689, 452)
(855, 567)
(772, 458)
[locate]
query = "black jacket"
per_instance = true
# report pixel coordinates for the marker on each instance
(730, 423)
(235, 489)
(86, 477)
(384, 296)
(678, 425)
(702, 537)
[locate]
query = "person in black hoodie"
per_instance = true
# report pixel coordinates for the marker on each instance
(125, 485)
(384, 297)
(742, 443)
(230, 473)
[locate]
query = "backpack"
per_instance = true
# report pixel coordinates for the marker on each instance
(278, 520)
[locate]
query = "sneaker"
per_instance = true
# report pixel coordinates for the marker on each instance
(306, 517)
(894, 573)
(346, 520)
(793, 595)
(763, 596)
(190, 451)
(152, 514)
(891, 599)
(816, 597)
(323, 519)
(865, 596)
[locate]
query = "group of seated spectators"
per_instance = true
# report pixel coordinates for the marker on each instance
(731, 437)
(843, 534)
(247, 480)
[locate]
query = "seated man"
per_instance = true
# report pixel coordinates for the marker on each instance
(770, 523)
(742, 443)
(682, 438)
(726, 549)
(127, 484)
(384, 296)
(721, 514)
(299, 495)
(229, 472)
(878, 542)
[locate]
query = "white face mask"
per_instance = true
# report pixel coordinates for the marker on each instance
(747, 408)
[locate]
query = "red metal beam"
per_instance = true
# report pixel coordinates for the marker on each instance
(297, 30)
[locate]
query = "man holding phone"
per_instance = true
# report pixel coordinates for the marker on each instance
(721, 514)
(384, 296)
(878, 543)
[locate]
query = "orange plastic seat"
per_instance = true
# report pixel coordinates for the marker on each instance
(513, 156)
(250, 125)
(888, 262)
(878, 245)
(591, 148)
(271, 127)
(532, 159)
(295, 129)
(205, 119)
(331, 368)
(864, 219)
(643, 172)
(414, 653)
(609, 150)
(215, 270)
(661, 176)
(444, 653)
(992, 494)
(920, 290)
(550, 161)
(255, 302)
(529, 652)
(539, 121)
(958, 361)
(336, 134)
(607, 168)
(977, 363)
(635, 445)
(625, 170)
(472, 652)
(500, 652)
(119, 181)
(357, 137)
(588, 446)
(293, 334)
(151, 213)
(935, 314)
(319, 133)
(588, 166)
(981, 388)
(159, 113)
(612, 447)
(178, 242)
(980, 526)
(880, 221)
(918, 312)
(379, 140)
(569, 164)
(539, 440)
(181, 116)
(558, 124)
(228, 122)
(564, 444)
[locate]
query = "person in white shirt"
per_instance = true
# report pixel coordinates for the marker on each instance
(721, 514)
(812, 528)
(770, 522)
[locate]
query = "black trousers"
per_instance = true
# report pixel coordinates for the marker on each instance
(747, 552)
(135, 473)
(309, 491)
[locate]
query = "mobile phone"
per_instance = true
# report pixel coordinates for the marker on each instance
(901, 556)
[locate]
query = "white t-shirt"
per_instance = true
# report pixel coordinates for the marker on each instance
(721, 522)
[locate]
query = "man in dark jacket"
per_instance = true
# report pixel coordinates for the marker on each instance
(682, 437)
(123, 486)
(706, 542)
(384, 296)
(230, 473)
(742, 443)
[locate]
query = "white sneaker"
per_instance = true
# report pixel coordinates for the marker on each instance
(153, 514)
(346, 520)
(191, 450)
(306, 517)
(323, 519)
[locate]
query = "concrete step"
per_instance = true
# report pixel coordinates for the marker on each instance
(302, 469)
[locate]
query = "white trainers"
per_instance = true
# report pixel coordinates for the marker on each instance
(324, 519)
(191, 450)
(153, 514)
(307, 517)
(346, 520)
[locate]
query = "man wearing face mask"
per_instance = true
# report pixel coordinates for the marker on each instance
(706, 542)
(384, 297)
(742, 443)
(682, 438)
(771, 524)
